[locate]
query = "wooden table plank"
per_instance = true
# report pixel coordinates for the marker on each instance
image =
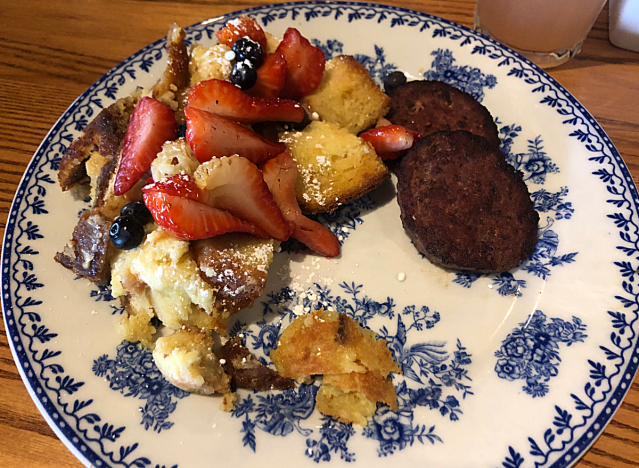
(50, 52)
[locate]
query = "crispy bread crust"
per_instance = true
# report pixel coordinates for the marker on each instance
(464, 206)
(105, 134)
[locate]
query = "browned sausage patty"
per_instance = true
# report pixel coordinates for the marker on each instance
(464, 206)
(432, 106)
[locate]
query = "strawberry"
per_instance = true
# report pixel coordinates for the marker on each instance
(211, 136)
(242, 27)
(304, 65)
(227, 100)
(151, 124)
(280, 174)
(173, 208)
(190, 220)
(236, 184)
(390, 141)
(270, 77)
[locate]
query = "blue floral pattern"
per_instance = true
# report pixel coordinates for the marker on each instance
(134, 374)
(468, 79)
(531, 352)
(567, 436)
(103, 294)
(438, 381)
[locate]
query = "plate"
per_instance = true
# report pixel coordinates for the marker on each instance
(518, 369)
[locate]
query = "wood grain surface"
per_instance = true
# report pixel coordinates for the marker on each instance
(51, 51)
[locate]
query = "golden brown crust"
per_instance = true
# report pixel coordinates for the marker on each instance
(104, 134)
(236, 266)
(372, 385)
(347, 96)
(171, 89)
(325, 342)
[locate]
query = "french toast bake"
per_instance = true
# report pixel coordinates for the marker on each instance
(221, 198)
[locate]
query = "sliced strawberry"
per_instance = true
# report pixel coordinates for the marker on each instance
(151, 124)
(236, 184)
(280, 174)
(180, 185)
(227, 100)
(391, 141)
(304, 65)
(242, 27)
(270, 77)
(188, 219)
(211, 136)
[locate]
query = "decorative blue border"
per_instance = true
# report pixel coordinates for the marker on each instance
(615, 176)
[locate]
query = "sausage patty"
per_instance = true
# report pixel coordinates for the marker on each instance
(432, 106)
(464, 206)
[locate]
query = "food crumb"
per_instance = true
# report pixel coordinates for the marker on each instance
(401, 276)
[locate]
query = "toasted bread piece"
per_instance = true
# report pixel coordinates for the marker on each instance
(352, 398)
(325, 342)
(163, 268)
(175, 158)
(176, 75)
(86, 253)
(247, 372)
(235, 265)
(335, 166)
(209, 63)
(186, 359)
(104, 134)
(347, 96)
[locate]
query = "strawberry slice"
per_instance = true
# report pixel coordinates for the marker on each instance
(227, 100)
(280, 174)
(304, 65)
(180, 185)
(242, 27)
(187, 218)
(211, 136)
(270, 77)
(236, 185)
(151, 124)
(390, 141)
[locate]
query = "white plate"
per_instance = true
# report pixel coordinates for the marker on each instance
(520, 369)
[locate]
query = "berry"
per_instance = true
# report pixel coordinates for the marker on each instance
(280, 174)
(226, 100)
(236, 185)
(212, 136)
(241, 27)
(393, 80)
(126, 232)
(187, 218)
(151, 124)
(304, 65)
(298, 125)
(181, 131)
(247, 49)
(243, 74)
(137, 210)
(390, 141)
(270, 77)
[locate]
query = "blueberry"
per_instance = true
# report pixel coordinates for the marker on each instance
(298, 125)
(137, 210)
(243, 74)
(126, 232)
(246, 49)
(393, 80)
(182, 130)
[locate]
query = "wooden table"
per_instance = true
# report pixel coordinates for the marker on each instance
(51, 51)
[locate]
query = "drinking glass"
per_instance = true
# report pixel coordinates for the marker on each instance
(548, 32)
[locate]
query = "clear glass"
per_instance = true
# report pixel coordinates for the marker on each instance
(548, 32)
